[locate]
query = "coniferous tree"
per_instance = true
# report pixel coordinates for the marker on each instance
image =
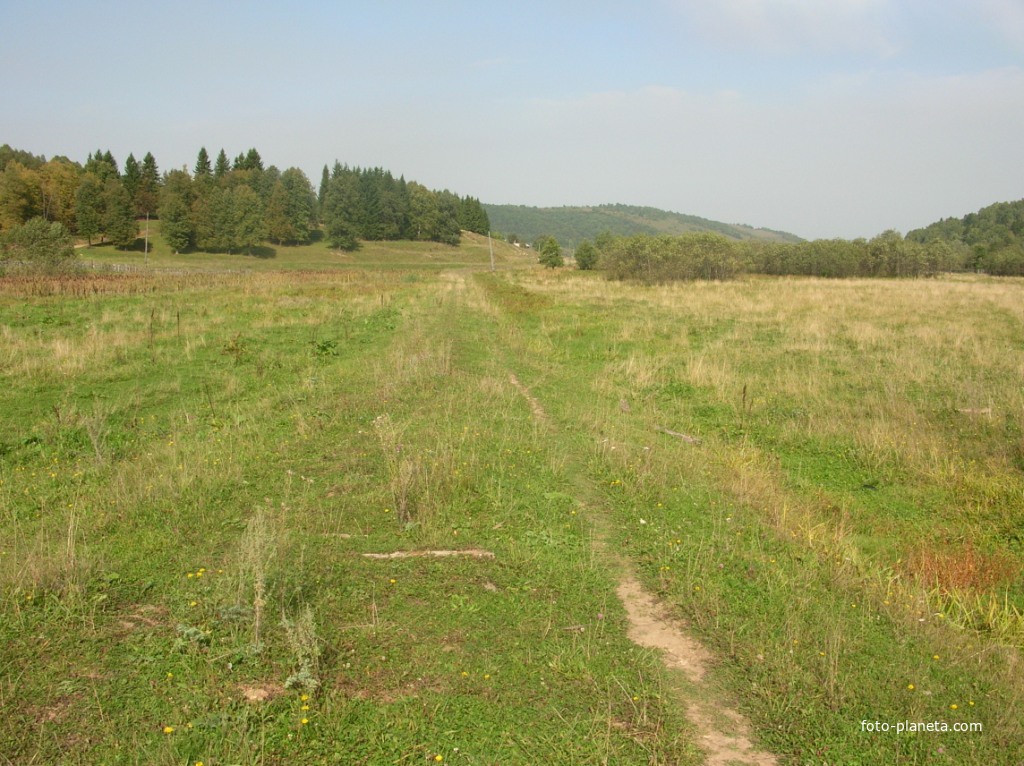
(253, 161)
(551, 253)
(103, 168)
(472, 216)
(325, 179)
(448, 230)
(148, 196)
(203, 167)
(119, 222)
(176, 223)
(222, 167)
(341, 210)
(109, 159)
(132, 178)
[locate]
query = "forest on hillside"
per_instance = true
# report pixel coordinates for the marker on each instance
(224, 205)
(993, 237)
(572, 225)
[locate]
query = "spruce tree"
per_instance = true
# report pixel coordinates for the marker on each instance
(132, 178)
(176, 211)
(341, 210)
(325, 179)
(203, 163)
(119, 222)
(253, 161)
(148, 196)
(551, 253)
(222, 167)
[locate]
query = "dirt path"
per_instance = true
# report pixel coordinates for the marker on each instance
(724, 734)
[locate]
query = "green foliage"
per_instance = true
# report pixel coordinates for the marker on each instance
(992, 239)
(89, 206)
(132, 178)
(586, 256)
(20, 196)
(102, 165)
(8, 154)
(222, 166)
(472, 216)
(176, 211)
(38, 244)
(572, 225)
(245, 228)
(665, 258)
(118, 219)
(148, 194)
(206, 212)
(58, 182)
(551, 253)
(712, 256)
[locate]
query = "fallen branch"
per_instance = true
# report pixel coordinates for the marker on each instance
(475, 553)
(684, 437)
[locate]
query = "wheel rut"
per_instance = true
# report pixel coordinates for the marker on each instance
(724, 734)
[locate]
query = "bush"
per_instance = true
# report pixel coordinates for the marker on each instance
(586, 256)
(551, 253)
(37, 244)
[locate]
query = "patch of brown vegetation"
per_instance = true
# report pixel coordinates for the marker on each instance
(962, 568)
(263, 692)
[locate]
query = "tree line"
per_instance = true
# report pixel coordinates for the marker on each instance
(708, 255)
(993, 237)
(224, 205)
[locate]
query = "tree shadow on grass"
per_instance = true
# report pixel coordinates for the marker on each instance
(264, 252)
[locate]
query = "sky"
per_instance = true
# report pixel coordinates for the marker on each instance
(824, 118)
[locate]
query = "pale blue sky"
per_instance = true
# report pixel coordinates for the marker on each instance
(828, 118)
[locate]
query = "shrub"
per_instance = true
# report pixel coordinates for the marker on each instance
(586, 256)
(37, 244)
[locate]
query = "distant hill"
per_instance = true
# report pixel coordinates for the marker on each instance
(572, 225)
(994, 236)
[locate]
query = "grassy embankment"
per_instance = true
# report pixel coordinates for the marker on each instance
(191, 468)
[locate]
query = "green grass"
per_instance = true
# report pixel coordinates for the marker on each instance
(192, 466)
(316, 256)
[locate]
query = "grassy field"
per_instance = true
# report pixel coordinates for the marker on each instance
(194, 465)
(473, 250)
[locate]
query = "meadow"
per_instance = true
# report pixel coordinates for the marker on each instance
(225, 482)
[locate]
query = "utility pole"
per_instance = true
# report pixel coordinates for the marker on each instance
(145, 258)
(490, 246)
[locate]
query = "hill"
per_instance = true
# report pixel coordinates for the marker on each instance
(572, 225)
(995, 235)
